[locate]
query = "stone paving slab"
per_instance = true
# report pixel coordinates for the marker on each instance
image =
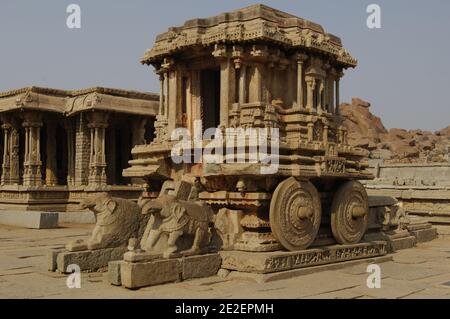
(29, 219)
(23, 274)
(390, 289)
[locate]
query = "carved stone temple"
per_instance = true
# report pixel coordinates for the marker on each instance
(60, 146)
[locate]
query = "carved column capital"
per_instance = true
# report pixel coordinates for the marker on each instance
(168, 64)
(220, 51)
(301, 58)
(32, 119)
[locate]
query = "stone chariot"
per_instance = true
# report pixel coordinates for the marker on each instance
(259, 68)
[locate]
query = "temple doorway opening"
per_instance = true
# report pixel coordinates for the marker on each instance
(210, 97)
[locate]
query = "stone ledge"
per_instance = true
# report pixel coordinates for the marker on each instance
(397, 244)
(425, 235)
(265, 278)
(135, 275)
(29, 219)
(88, 260)
(77, 217)
(270, 262)
(395, 241)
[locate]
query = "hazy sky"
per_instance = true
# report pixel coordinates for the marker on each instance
(404, 68)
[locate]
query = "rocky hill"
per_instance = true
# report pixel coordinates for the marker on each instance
(395, 145)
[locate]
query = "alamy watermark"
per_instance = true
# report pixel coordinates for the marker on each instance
(374, 18)
(74, 19)
(227, 146)
(374, 279)
(74, 279)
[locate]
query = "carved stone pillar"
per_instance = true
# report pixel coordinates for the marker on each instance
(326, 103)
(227, 89)
(15, 160)
(6, 153)
(138, 132)
(331, 92)
(10, 166)
(310, 132)
(174, 106)
(70, 132)
(320, 100)
(32, 124)
(51, 175)
(166, 93)
(161, 93)
(310, 85)
(243, 84)
(258, 83)
(82, 150)
(301, 58)
(338, 101)
(98, 122)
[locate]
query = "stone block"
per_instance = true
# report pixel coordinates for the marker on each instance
(114, 269)
(200, 266)
(425, 235)
(144, 274)
(270, 262)
(381, 201)
(77, 217)
(29, 219)
(402, 243)
(89, 260)
(52, 256)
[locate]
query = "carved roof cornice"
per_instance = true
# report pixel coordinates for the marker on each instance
(117, 92)
(69, 102)
(35, 89)
(71, 93)
(257, 23)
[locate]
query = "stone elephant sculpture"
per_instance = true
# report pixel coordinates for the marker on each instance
(117, 220)
(177, 218)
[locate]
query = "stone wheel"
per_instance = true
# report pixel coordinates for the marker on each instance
(295, 214)
(350, 213)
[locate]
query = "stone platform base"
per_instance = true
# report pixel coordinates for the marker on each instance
(88, 260)
(422, 230)
(283, 275)
(76, 217)
(134, 275)
(425, 235)
(29, 219)
(395, 240)
(271, 262)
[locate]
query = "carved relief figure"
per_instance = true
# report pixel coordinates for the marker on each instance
(176, 218)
